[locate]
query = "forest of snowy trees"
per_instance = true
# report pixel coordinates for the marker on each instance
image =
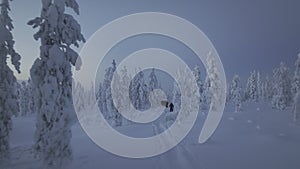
(279, 91)
(47, 93)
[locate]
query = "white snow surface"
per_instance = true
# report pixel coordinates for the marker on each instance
(270, 141)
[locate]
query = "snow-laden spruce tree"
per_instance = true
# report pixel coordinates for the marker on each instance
(176, 97)
(80, 97)
(235, 93)
(52, 80)
(259, 86)
(143, 92)
(139, 92)
(122, 103)
(282, 88)
(206, 95)
(251, 91)
(101, 100)
(296, 89)
(296, 77)
(215, 82)
(297, 106)
(134, 92)
(184, 93)
(117, 86)
(111, 110)
(197, 74)
(24, 99)
(106, 100)
(8, 92)
(104, 96)
(125, 79)
(267, 89)
(89, 97)
(153, 84)
(31, 104)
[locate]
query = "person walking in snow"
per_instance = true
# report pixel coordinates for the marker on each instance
(171, 107)
(167, 104)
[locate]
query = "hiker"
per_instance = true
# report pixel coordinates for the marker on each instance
(167, 104)
(171, 107)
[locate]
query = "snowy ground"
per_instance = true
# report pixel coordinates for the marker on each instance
(257, 138)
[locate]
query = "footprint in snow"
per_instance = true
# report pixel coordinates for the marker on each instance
(231, 118)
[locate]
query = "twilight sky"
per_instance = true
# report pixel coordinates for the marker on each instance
(248, 35)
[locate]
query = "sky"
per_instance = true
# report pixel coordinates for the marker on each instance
(248, 35)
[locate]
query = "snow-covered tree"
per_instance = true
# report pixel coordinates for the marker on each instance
(80, 96)
(197, 74)
(109, 102)
(153, 82)
(125, 79)
(52, 80)
(139, 92)
(89, 96)
(296, 89)
(104, 96)
(215, 82)
(206, 95)
(152, 85)
(31, 103)
(176, 97)
(18, 95)
(282, 88)
(101, 99)
(117, 86)
(24, 99)
(235, 93)
(143, 91)
(107, 108)
(183, 91)
(259, 86)
(251, 91)
(297, 106)
(267, 89)
(296, 78)
(8, 92)
(134, 93)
